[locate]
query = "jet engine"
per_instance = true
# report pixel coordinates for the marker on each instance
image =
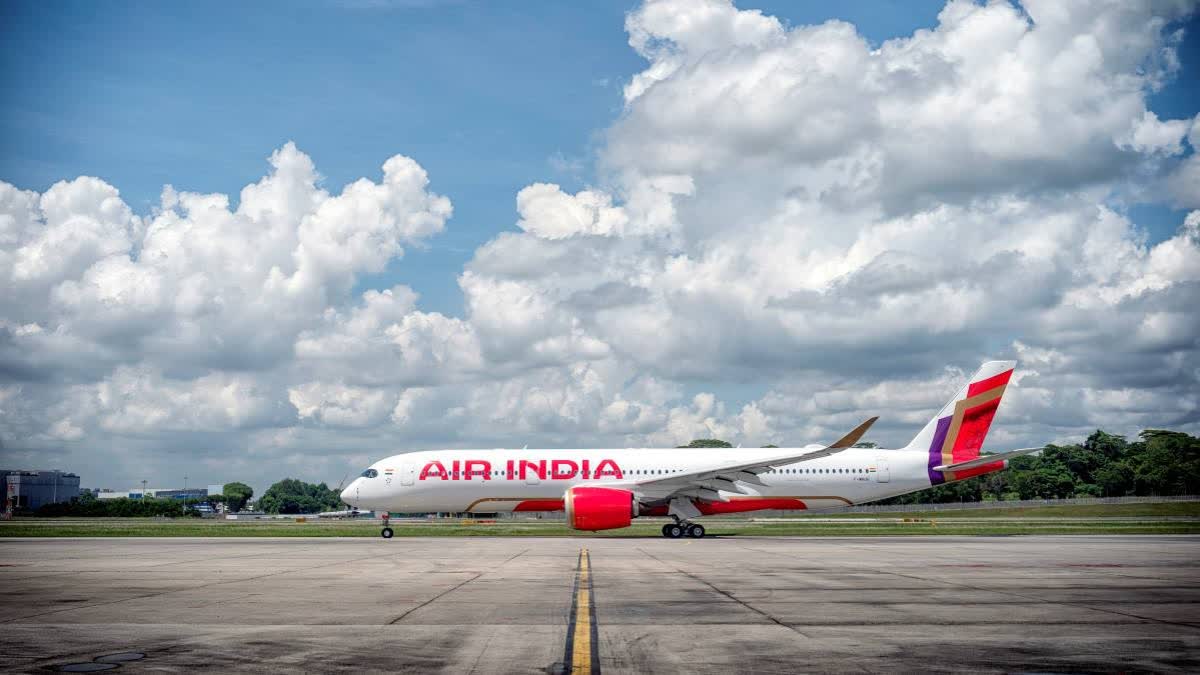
(598, 508)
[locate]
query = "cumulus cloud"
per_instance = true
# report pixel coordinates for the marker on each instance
(840, 229)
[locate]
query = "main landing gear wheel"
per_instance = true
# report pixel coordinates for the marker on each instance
(673, 531)
(695, 531)
(387, 533)
(664, 530)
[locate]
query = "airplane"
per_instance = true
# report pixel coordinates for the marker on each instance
(607, 489)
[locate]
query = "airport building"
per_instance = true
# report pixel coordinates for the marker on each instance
(160, 493)
(33, 489)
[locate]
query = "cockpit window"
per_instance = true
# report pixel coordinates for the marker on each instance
(370, 473)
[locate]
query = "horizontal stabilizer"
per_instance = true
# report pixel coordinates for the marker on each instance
(984, 460)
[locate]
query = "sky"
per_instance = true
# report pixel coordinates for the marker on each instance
(250, 241)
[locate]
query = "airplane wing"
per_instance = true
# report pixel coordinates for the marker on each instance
(984, 460)
(705, 483)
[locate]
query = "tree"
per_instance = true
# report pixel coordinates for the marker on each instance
(1166, 463)
(707, 443)
(1108, 445)
(214, 500)
(1114, 479)
(295, 496)
(236, 495)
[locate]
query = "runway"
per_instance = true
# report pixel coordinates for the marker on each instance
(501, 605)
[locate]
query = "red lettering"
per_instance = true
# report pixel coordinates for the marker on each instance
(477, 467)
(608, 467)
(508, 470)
(539, 468)
(434, 469)
(585, 470)
(563, 469)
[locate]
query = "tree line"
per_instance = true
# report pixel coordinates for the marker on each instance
(287, 496)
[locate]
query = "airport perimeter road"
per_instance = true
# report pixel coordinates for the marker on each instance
(719, 605)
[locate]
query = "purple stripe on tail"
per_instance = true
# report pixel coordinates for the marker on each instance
(935, 451)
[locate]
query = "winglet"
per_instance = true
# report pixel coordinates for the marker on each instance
(851, 438)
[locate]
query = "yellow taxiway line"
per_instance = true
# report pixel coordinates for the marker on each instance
(582, 650)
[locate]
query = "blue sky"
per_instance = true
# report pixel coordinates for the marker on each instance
(198, 94)
(486, 99)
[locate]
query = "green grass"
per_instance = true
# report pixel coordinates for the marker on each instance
(134, 527)
(1189, 509)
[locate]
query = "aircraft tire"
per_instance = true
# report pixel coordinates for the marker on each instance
(674, 531)
(387, 533)
(695, 531)
(664, 530)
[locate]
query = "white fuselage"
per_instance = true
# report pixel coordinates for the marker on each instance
(503, 480)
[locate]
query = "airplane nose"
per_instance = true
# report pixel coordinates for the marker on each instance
(350, 494)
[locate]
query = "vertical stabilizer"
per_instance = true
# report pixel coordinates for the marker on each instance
(956, 434)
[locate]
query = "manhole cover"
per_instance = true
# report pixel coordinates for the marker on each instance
(87, 667)
(121, 658)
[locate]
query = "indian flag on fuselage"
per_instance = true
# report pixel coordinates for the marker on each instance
(955, 435)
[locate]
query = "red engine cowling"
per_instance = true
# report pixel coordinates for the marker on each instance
(598, 508)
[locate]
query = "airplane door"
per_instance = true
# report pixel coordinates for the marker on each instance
(406, 473)
(882, 473)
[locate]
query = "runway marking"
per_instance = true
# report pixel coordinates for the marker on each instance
(582, 654)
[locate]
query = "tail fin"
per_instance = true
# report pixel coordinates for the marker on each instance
(956, 434)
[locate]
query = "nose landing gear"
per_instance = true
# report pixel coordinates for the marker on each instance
(387, 531)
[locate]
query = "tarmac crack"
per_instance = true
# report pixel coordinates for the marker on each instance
(435, 598)
(727, 594)
(456, 587)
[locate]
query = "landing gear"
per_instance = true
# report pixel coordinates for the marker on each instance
(387, 533)
(681, 528)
